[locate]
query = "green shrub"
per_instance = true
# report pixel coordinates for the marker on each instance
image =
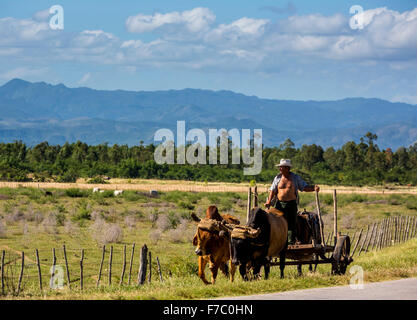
(60, 218)
(97, 180)
(133, 196)
(82, 214)
(186, 205)
(395, 199)
(76, 193)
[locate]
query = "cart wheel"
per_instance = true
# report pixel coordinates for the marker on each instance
(340, 255)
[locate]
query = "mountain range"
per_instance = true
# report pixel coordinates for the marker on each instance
(36, 112)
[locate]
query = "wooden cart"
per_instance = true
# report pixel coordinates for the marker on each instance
(338, 254)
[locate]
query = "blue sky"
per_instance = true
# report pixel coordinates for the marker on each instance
(302, 50)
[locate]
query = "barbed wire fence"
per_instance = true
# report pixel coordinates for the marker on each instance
(76, 269)
(379, 235)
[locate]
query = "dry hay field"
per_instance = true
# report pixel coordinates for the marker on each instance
(196, 186)
(71, 214)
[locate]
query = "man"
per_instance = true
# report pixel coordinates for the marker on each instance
(285, 187)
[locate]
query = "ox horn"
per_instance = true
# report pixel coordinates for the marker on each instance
(224, 234)
(195, 218)
(253, 233)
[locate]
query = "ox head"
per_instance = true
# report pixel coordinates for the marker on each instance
(213, 213)
(250, 242)
(209, 236)
(243, 244)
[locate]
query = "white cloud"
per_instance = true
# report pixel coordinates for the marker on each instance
(387, 34)
(241, 29)
(85, 78)
(192, 39)
(90, 38)
(22, 30)
(313, 24)
(42, 15)
(194, 21)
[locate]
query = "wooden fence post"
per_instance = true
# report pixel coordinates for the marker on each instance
(320, 220)
(66, 265)
(407, 228)
(384, 236)
(370, 238)
(131, 263)
(391, 231)
(375, 238)
(352, 241)
(255, 197)
(249, 204)
(124, 266)
(38, 263)
(379, 233)
(3, 253)
(143, 265)
(159, 269)
(150, 267)
(21, 273)
(400, 230)
(384, 231)
(357, 242)
(110, 263)
(82, 270)
(364, 240)
(101, 265)
(395, 229)
(387, 231)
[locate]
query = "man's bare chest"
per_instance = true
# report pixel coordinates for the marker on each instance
(286, 183)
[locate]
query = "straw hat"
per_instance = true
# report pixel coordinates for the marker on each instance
(284, 163)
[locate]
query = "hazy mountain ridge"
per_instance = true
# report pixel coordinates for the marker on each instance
(35, 112)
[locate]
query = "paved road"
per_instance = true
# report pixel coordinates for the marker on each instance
(404, 289)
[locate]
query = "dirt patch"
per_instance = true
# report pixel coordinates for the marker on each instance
(376, 202)
(158, 205)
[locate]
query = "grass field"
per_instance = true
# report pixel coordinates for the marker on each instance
(80, 219)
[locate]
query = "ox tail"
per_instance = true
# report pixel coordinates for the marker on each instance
(225, 269)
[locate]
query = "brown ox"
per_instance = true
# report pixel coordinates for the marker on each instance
(271, 241)
(213, 247)
(308, 229)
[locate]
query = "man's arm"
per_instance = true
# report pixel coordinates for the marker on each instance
(303, 186)
(271, 196)
(273, 191)
(311, 188)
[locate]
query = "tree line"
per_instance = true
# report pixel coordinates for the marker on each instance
(362, 163)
